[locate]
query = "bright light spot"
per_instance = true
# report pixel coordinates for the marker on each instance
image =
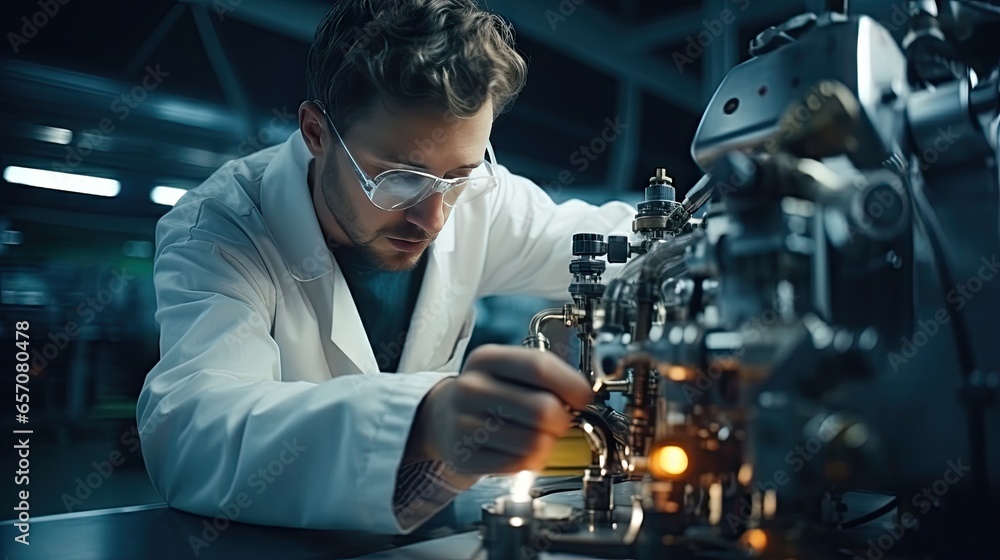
(745, 475)
(70, 182)
(167, 196)
(516, 521)
(11, 237)
(856, 436)
(520, 490)
(138, 249)
(677, 373)
(715, 503)
(755, 539)
(53, 135)
(668, 461)
(770, 503)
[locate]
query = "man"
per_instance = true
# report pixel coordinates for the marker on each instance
(316, 298)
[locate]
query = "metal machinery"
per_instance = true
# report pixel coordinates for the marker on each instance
(812, 368)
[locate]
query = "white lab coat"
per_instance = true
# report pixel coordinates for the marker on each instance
(267, 405)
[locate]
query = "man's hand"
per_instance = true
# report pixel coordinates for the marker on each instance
(502, 414)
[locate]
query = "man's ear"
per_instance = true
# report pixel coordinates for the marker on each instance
(312, 124)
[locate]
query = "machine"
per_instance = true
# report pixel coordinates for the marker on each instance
(812, 366)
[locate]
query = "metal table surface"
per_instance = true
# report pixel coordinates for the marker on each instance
(154, 532)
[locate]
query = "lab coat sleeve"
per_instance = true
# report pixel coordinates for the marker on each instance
(530, 237)
(222, 435)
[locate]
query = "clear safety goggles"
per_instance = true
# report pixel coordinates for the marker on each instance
(399, 189)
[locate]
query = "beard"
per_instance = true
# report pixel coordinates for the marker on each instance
(363, 241)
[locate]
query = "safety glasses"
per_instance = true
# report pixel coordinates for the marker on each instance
(399, 189)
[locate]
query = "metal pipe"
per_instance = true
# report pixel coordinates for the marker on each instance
(600, 452)
(535, 338)
(597, 481)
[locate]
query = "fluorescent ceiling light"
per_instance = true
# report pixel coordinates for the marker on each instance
(54, 135)
(167, 196)
(11, 237)
(70, 182)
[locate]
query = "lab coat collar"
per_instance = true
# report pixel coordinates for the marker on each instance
(288, 211)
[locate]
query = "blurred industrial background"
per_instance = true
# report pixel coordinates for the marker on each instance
(137, 101)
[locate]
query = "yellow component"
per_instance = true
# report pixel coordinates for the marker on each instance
(570, 455)
(668, 461)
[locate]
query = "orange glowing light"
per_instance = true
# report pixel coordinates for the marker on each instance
(756, 539)
(668, 461)
(677, 373)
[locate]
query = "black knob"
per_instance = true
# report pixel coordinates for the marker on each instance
(591, 244)
(661, 186)
(618, 249)
(589, 267)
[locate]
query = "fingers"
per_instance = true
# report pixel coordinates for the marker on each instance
(490, 461)
(506, 410)
(486, 399)
(510, 448)
(532, 368)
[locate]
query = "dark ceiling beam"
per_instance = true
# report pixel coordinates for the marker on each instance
(586, 35)
(292, 18)
(675, 29)
(625, 150)
(155, 38)
(724, 52)
(593, 38)
(223, 68)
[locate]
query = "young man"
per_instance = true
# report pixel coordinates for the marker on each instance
(316, 298)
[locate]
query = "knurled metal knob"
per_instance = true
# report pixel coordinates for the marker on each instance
(591, 244)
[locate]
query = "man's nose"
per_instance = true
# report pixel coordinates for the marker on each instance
(429, 214)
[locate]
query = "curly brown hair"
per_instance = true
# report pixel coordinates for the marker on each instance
(449, 54)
